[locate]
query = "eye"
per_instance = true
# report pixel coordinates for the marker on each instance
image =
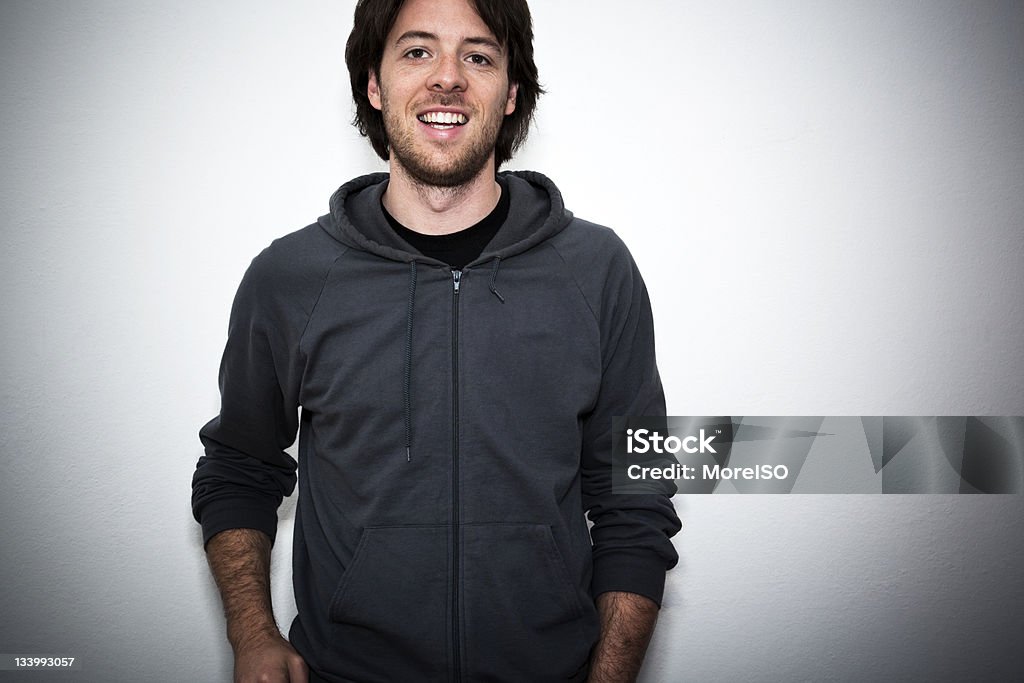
(416, 53)
(479, 60)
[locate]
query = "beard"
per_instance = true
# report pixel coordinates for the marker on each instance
(445, 164)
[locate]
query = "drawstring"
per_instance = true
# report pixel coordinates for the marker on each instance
(407, 386)
(408, 362)
(494, 276)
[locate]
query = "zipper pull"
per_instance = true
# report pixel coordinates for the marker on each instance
(456, 279)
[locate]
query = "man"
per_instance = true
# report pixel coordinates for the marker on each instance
(458, 343)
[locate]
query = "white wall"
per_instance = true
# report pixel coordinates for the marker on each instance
(826, 200)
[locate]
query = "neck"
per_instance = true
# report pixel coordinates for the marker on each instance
(433, 210)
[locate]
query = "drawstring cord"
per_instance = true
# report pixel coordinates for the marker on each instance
(407, 385)
(408, 362)
(494, 277)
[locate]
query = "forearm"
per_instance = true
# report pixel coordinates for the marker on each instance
(627, 622)
(240, 562)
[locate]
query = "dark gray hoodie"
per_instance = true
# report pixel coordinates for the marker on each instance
(455, 427)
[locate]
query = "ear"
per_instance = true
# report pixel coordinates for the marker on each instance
(510, 103)
(373, 91)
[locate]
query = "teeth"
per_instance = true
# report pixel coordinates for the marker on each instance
(443, 118)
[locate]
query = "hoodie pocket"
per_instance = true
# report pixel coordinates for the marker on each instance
(390, 608)
(526, 618)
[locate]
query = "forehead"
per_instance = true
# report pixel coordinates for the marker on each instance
(444, 18)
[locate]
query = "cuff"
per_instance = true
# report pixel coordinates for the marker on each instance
(227, 514)
(630, 571)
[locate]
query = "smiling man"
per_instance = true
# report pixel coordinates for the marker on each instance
(457, 342)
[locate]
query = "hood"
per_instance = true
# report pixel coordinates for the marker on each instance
(536, 212)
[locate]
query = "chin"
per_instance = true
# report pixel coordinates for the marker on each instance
(448, 175)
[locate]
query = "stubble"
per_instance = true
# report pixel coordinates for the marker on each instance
(441, 164)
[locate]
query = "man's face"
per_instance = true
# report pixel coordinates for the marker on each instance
(443, 91)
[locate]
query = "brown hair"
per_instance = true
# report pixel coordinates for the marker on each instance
(508, 20)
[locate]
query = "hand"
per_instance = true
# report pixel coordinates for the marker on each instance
(240, 562)
(271, 659)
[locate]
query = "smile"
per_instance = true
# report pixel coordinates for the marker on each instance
(442, 120)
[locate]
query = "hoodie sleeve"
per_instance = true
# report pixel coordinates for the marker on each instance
(245, 473)
(631, 532)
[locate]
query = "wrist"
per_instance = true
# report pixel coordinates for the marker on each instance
(253, 637)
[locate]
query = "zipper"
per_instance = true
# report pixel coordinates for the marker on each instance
(456, 532)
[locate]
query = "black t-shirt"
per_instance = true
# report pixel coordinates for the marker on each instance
(458, 248)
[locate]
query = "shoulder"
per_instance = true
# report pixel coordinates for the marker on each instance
(294, 262)
(301, 253)
(592, 250)
(602, 268)
(284, 281)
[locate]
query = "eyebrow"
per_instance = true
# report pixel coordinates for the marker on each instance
(426, 35)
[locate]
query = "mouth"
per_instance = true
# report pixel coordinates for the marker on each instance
(443, 120)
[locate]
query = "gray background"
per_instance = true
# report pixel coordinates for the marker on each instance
(826, 200)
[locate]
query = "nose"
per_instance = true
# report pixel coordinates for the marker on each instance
(448, 75)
